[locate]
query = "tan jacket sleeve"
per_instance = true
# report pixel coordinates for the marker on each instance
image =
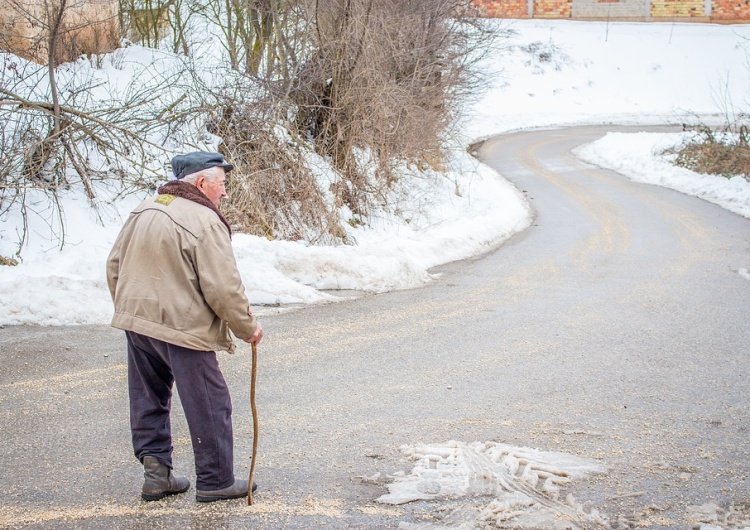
(220, 281)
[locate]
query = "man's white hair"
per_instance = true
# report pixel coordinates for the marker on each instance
(210, 174)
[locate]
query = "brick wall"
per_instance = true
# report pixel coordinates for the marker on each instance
(553, 8)
(731, 10)
(503, 8)
(720, 10)
(677, 8)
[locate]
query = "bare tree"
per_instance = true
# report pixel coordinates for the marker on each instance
(145, 21)
(371, 83)
(367, 84)
(180, 13)
(152, 22)
(385, 79)
(260, 36)
(50, 144)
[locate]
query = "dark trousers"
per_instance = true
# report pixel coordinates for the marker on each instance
(153, 366)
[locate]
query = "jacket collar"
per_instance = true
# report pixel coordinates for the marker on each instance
(178, 188)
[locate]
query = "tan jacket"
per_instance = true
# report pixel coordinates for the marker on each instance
(172, 276)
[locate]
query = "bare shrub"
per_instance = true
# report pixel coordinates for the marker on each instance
(59, 138)
(725, 153)
(273, 191)
(8, 262)
(370, 84)
(542, 54)
(384, 80)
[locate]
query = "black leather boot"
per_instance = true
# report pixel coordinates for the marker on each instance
(159, 480)
(235, 491)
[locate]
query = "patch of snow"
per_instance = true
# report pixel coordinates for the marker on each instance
(526, 484)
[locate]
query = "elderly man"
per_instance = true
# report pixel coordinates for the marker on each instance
(177, 293)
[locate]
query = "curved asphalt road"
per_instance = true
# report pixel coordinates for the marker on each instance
(615, 328)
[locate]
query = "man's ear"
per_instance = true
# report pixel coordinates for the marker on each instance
(199, 182)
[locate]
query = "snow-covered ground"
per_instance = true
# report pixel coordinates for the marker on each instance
(549, 74)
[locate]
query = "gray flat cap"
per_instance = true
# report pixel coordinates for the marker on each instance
(187, 164)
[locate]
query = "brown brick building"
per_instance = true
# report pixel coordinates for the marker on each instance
(635, 10)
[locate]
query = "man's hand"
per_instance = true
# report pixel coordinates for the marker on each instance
(257, 336)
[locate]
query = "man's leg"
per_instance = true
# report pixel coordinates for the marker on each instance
(150, 387)
(208, 410)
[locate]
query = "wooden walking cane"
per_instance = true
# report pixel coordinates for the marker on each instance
(255, 426)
